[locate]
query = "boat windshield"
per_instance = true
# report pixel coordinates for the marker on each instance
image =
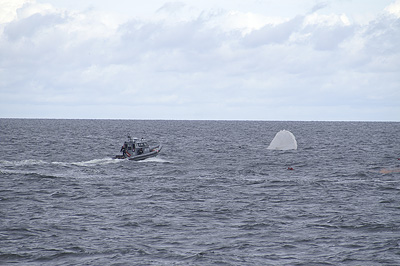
(142, 144)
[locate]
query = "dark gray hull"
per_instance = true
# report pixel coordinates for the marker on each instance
(153, 153)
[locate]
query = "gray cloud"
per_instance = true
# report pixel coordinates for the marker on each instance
(30, 26)
(319, 6)
(329, 38)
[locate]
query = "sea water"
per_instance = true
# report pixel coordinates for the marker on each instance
(215, 195)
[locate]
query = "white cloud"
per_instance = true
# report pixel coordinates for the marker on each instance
(247, 22)
(8, 10)
(191, 63)
(274, 33)
(327, 20)
(394, 9)
(172, 7)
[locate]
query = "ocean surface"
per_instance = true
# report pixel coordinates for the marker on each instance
(215, 195)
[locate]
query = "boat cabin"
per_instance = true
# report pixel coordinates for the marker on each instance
(136, 146)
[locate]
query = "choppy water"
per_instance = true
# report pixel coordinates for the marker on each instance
(214, 196)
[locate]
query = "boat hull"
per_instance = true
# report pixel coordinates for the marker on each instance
(153, 153)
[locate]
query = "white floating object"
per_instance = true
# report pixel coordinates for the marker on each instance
(283, 140)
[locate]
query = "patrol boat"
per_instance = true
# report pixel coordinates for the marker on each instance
(137, 149)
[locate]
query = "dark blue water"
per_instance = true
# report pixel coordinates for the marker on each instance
(214, 196)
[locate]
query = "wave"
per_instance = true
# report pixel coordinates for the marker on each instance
(28, 173)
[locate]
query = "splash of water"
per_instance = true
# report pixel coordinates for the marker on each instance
(283, 140)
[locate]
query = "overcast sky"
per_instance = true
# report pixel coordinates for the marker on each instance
(226, 59)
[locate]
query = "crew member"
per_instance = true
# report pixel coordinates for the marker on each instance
(123, 149)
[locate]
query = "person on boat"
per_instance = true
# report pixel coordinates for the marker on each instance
(123, 150)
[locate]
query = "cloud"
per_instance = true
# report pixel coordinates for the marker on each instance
(274, 33)
(394, 9)
(330, 38)
(213, 64)
(31, 25)
(319, 6)
(8, 10)
(172, 7)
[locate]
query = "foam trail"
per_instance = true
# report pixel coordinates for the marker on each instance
(283, 140)
(156, 160)
(22, 163)
(95, 162)
(89, 163)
